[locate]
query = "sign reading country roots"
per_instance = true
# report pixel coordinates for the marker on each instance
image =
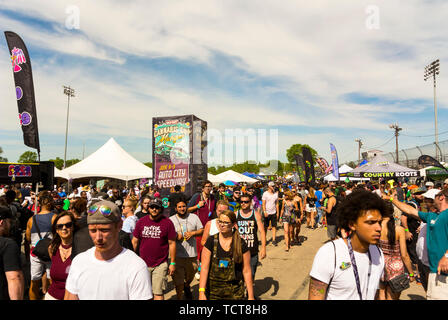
(402, 174)
(171, 152)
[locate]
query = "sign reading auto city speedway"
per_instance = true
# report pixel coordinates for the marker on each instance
(402, 174)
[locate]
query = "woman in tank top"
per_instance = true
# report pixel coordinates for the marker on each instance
(211, 227)
(286, 214)
(396, 257)
(60, 251)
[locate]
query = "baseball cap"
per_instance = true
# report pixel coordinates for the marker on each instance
(431, 194)
(156, 203)
(5, 213)
(429, 184)
(271, 183)
(103, 212)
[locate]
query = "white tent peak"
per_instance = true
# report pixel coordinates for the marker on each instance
(109, 161)
(234, 176)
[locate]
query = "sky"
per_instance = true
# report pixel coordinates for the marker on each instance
(303, 72)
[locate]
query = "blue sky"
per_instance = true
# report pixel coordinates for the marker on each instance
(318, 73)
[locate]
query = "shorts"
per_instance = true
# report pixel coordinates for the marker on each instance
(159, 278)
(288, 219)
(270, 218)
(186, 268)
(437, 287)
(38, 268)
(49, 297)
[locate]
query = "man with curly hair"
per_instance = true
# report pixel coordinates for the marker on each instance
(350, 269)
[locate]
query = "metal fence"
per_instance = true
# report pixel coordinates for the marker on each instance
(409, 157)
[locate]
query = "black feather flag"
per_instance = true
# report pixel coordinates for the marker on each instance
(23, 78)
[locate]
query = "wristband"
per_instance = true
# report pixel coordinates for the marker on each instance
(198, 206)
(411, 274)
(172, 263)
(201, 289)
(391, 199)
(407, 230)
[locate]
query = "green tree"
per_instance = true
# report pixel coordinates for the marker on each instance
(58, 162)
(297, 149)
(1, 158)
(352, 164)
(27, 157)
(69, 163)
(148, 164)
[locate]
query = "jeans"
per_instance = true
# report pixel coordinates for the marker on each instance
(319, 215)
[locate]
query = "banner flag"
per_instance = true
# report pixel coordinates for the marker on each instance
(323, 164)
(334, 161)
(300, 167)
(23, 78)
(309, 165)
(426, 161)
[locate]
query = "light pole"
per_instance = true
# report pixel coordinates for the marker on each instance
(70, 92)
(359, 149)
(397, 130)
(431, 70)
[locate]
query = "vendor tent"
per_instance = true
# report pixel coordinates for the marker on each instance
(343, 169)
(212, 178)
(234, 176)
(252, 175)
(380, 167)
(109, 161)
(60, 174)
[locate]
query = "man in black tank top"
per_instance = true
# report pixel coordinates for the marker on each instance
(249, 223)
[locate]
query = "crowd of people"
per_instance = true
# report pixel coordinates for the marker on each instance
(125, 243)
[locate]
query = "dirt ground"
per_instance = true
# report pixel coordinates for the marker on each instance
(285, 275)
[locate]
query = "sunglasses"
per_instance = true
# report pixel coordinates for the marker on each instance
(105, 211)
(225, 223)
(68, 225)
(245, 201)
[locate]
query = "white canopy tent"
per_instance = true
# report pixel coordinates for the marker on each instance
(343, 169)
(234, 176)
(212, 178)
(109, 161)
(60, 174)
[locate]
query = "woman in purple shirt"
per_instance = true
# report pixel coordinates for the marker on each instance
(60, 250)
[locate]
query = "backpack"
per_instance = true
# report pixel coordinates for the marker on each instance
(41, 248)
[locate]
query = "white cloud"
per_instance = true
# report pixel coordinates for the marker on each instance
(321, 51)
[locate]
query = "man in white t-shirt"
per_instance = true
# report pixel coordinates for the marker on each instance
(351, 269)
(270, 210)
(188, 226)
(107, 271)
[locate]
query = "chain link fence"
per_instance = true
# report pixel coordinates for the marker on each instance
(408, 157)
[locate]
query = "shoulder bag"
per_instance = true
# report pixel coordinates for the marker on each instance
(41, 248)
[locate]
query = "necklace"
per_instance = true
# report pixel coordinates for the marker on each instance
(225, 244)
(65, 251)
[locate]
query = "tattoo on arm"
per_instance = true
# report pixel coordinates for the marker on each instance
(318, 290)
